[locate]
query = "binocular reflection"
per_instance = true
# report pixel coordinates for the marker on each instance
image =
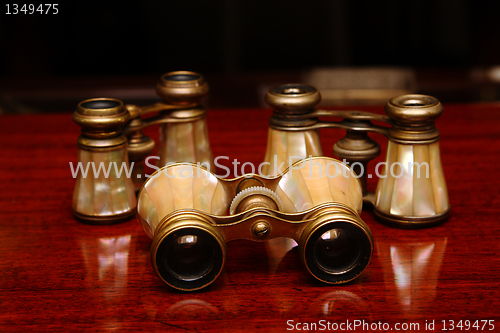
(272, 294)
(411, 264)
(404, 267)
(403, 264)
(107, 257)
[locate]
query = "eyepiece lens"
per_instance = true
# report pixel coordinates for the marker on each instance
(292, 89)
(336, 251)
(181, 77)
(100, 104)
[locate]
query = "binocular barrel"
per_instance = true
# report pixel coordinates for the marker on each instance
(336, 247)
(102, 198)
(188, 254)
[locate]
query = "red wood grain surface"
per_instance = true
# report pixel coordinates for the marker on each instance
(59, 274)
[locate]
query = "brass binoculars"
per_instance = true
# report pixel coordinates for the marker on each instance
(411, 191)
(190, 218)
(316, 202)
(112, 136)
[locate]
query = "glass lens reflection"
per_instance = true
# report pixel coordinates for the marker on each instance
(336, 251)
(189, 257)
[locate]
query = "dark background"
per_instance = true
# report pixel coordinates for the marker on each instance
(113, 44)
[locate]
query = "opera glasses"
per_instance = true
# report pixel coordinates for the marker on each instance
(112, 136)
(411, 191)
(183, 207)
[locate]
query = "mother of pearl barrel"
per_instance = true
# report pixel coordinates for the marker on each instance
(173, 188)
(185, 142)
(412, 190)
(286, 147)
(105, 197)
(315, 181)
(412, 184)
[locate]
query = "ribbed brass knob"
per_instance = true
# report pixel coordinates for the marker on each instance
(182, 87)
(293, 98)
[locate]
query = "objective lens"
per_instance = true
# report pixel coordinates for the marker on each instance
(337, 252)
(189, 258)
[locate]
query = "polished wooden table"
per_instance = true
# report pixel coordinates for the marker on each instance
(59, 274)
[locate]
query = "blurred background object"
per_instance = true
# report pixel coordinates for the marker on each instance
(370, 85)
(447, 49)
